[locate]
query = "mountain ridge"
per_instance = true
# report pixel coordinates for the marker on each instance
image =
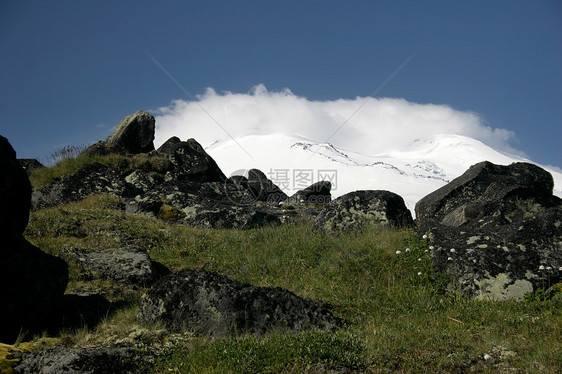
(413, 171)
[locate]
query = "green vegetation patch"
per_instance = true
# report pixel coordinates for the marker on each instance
(380, 281)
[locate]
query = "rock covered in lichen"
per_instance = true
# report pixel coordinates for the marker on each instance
(212, 305)
(496, 230)
(355, 209)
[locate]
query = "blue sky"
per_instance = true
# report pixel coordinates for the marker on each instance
(71, 69)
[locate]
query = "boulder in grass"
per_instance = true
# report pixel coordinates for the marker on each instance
(355, 209)
(496, 230)
(212, 305)
(84, 361)
(317, 193)
(126, 265)
(264, 189)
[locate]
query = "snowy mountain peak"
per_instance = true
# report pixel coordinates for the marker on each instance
(419, 168)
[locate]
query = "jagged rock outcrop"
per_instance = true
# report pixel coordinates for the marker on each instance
(496, 230)
(191, 162)
(264, 189)
(51, 360)
(91, 179)
(212, 305)
(33, 281)
(134, 134)
(126, 265)
(358, 208)
(317, 193)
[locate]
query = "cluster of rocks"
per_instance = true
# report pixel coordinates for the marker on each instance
(496, 230)
(180, 182)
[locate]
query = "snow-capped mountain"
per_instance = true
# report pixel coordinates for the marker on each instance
(293, 162)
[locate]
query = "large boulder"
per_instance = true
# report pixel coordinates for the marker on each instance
(355, 209)
(191, 162)
(264, 189)
(33, 282)
(15, 194)
(496, 230)
(212, 305)
(52, 360)
(91, 179)
(317, 193)
(133, 134)
(126, 265)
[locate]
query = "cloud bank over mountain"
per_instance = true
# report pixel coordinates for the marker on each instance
(364, 124)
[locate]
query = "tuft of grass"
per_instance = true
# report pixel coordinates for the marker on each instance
(310, 351)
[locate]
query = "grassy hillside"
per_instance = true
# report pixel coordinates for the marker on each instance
(398, 316)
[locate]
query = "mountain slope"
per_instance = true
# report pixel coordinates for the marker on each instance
(293, 162)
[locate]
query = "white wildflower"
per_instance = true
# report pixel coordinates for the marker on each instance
(453, 250)
(398, 252)
(419, 259)
(541, 267)
(419, 273)
(450, 259)
(407, 249)
(424, 237)
(487, 357)
(560, 268)
(426, 251)
(548, 268)
(431, 247)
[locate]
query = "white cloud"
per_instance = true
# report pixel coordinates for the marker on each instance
(370, 125)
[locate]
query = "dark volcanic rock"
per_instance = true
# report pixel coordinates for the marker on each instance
(191, 162)
(496, 230)
(15, 193)
(355, 209)
(33, 282)
(134, 134)
(318, 193)
(264, 189)
(212, 305)
(54, 360)
(169, 145)
(30, 164)
(127, 265)
(33, 287)
(91, 179)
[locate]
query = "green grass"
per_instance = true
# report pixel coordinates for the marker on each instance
(396, 320)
